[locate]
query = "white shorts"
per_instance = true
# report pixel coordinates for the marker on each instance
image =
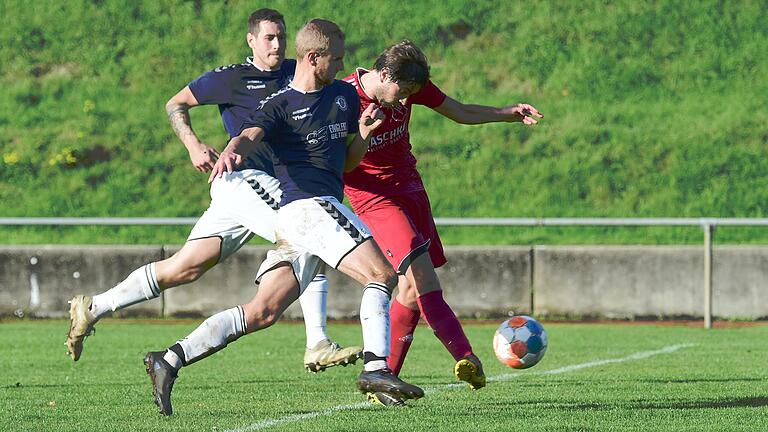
(313, 230)
(243, 203)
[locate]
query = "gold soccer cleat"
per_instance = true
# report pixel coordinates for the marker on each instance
(81, 322)
(328, 354)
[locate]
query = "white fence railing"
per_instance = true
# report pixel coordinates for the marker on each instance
(707, 224)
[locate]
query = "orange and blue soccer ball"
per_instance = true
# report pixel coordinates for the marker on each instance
(520, 342)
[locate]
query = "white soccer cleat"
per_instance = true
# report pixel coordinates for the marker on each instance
(81, 322)
(328, 354)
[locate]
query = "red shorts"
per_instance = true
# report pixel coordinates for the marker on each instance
(403, 227)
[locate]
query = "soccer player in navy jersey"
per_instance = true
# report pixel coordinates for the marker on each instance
(311, 125)
(243, 203)
(387, 193)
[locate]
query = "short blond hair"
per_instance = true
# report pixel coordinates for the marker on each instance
(316, 35)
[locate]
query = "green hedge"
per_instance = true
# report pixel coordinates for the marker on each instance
(652, 110)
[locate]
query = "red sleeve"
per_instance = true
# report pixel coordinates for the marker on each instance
(429, 96)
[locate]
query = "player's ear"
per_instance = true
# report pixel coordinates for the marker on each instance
(312, 55)
(250, 39)
(384, 75)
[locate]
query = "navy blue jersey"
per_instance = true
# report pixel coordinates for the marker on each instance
(238, 90)
(308, 134)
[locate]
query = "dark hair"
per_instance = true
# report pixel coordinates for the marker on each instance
(405, 62)
(263, 14)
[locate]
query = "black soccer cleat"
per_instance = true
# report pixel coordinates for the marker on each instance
(162, 376)
(384, 380)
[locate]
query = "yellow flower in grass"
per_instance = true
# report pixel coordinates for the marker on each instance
(11, 158)
(66, 157)
(69, 157)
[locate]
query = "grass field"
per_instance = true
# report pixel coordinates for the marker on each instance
(595, 377)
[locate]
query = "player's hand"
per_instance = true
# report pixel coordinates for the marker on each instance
(523, 113)
(204, 157)
(371, 118)
(227, 162)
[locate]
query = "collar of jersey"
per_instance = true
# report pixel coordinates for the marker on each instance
(290, 84)
(249, 60)
(360, 82)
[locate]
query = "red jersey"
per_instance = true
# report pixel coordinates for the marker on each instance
(388, 167)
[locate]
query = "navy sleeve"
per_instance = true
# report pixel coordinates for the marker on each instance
(213, 87)
(267, 118)
(353, 122)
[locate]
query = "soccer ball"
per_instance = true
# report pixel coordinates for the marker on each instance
(520, 342)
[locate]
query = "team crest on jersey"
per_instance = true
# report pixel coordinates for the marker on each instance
(341, 102)
(399, 112)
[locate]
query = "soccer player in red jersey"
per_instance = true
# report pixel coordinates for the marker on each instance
(387, 193)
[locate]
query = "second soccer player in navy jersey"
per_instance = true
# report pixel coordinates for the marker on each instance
(243, 203)
(312, 126)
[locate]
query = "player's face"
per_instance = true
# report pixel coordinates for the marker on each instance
(392, 93)
(269, 45)
(331, 63)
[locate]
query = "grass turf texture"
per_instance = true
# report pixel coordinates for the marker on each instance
(652, 110)
(718, 383)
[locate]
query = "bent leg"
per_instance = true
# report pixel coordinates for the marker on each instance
(278, 288)
(277, 291)
(437, 313)
(188, 264)
(145, 283)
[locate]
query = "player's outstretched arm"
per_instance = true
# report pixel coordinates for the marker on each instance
(235, 152)
(477, 114)
(202, 155)
(371, 118)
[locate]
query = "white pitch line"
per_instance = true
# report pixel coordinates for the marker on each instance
(504, 377)
(299, 417)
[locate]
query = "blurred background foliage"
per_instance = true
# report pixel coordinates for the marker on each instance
(653, 109)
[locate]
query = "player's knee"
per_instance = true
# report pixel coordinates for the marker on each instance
(383, 274)
(407, 293)
(387, 276)
(260, 317)
(190, 274)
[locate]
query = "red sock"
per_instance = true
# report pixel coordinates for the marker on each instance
(444, 323)
(403, 322)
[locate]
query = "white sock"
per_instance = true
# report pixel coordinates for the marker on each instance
(173, 359)
(313, 301)
(374, 317)
(212, 335)
(139, 286)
